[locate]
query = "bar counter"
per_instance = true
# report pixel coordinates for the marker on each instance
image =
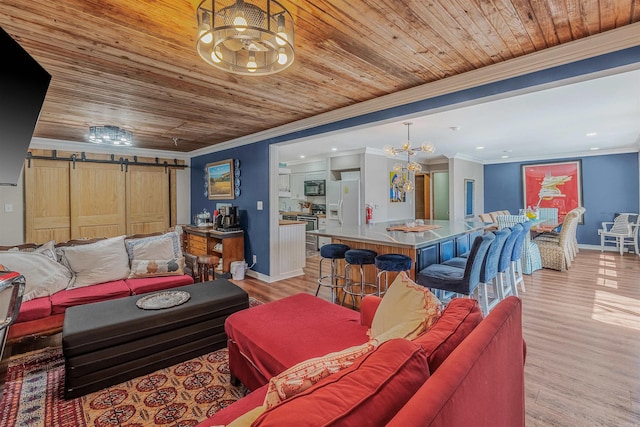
(450, 239)
(377, 234)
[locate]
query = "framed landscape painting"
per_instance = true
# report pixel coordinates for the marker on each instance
(220, 180)
(553, 185)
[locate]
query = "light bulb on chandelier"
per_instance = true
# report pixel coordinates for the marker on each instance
(405, 171)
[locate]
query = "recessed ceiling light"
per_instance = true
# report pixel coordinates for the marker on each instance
(504, 157)
(454, 128)
(479, 148)
(592, 134)
(302, 156)
(334, 149)
(594, 148)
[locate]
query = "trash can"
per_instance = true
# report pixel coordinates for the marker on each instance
(237, 270)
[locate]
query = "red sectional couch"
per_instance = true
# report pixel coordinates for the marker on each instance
(464, 371)
(45, 315)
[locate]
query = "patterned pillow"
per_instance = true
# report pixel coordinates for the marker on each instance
(300, 377)
(165, 246)
(156, 267)
(407, 309)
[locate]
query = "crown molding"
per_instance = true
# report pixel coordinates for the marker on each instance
(542, 157)
(588, 47)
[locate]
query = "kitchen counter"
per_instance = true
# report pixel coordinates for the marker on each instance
(291, 222)
(378, 234)
(450, 239)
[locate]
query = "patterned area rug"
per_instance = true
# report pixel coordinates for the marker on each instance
(182, 395)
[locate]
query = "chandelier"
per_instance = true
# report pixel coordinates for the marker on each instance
(109, 135)
(249, 37)
(411, 167)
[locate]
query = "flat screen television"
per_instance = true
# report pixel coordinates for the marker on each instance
(23, 86)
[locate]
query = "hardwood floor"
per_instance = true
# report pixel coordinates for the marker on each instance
(582, 329)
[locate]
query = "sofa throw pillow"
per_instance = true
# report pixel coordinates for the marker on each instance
(368, 393)
(300, 377)
(156, 267)
(47, 249)
(103, 261)
(43, 276)
(407, 309)
(247, 418)
(165, 246)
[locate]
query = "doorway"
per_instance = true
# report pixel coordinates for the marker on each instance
(440, 195)
(423, 196)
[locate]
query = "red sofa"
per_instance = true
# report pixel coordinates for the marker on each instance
(464, 371)
(45, 315)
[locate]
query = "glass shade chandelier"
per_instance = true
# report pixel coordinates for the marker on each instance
(406, 171)
(249, 37)
(110, 135)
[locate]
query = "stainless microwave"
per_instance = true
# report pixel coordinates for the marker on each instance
(315, 188)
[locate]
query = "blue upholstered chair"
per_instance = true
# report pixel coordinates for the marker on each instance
(359, 258)
(333, 252)
(531, 260)
(505, 282)
(517, 257)
(391, 262)
(457, 280)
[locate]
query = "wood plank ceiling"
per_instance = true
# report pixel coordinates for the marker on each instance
(133, 63)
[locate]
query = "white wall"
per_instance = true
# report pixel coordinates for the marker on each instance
(12, 223)
(398, 211)
(459, 170)
(376, 186)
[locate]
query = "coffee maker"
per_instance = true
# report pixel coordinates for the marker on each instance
(228, 219)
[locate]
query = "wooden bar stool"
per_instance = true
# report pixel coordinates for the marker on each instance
(206, 263)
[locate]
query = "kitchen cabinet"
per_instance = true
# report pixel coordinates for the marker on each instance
(322, 223)
(297, 186)
(284, 184)
(316, 176)
(292, 249)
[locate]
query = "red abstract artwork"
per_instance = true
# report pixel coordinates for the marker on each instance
(553, 185)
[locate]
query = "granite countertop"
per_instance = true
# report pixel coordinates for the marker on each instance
(377, 233)
(302, 213)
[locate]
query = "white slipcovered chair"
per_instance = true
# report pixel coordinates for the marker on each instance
(623, 231)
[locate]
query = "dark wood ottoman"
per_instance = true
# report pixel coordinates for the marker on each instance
(109, 342)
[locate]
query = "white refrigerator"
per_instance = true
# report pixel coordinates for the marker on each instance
(345, 206)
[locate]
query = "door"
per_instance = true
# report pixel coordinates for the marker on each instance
(440, 195)
(147, 199)
(46, 201)
(97, 200)
(419, 201)
(427, 196)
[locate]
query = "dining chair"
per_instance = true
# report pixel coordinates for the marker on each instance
(623, 231)
(505, 282)
(531, 260)
(455, 280)
(557, 254)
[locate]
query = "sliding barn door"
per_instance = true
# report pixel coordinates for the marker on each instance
(97, 200)
(148, 207)
(46, 201)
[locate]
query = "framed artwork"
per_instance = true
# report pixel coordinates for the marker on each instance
(396, 192)
(553, 185)
(469, 187)
(220, 179)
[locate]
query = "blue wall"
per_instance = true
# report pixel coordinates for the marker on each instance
(609, 185)
(255, 178)
(254, 186)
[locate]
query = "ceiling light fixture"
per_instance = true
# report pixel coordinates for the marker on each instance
(249, 37)
(108, 134)
(411, 167)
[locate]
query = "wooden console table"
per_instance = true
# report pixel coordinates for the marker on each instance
(206, 241)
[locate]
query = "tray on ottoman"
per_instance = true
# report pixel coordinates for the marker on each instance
(109, 342)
